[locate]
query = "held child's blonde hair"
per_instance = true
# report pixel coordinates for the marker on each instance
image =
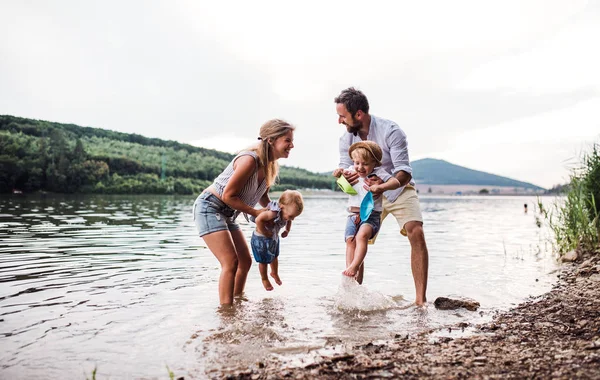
(369, 151)
(269, 132)
(292, 197)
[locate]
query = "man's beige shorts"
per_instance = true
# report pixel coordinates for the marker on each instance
(405, 209)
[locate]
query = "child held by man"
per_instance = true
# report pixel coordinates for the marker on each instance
(367, 156)
(265, 238)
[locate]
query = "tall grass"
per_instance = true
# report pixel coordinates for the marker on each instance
(575, 221)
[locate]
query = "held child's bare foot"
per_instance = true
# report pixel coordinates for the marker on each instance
(276, 278)
(267, 285)
(350, 271)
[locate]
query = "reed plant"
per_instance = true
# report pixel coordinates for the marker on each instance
(574, 218)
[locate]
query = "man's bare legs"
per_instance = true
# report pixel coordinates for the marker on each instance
(419, 259)
(275, 271)
(360, 250)
(361, 273)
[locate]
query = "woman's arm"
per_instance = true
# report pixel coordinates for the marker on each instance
(265, 199)
(243, 168)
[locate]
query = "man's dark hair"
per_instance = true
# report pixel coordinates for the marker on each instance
(354, 100)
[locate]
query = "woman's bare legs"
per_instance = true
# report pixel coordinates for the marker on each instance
(222, 246)
(244, 261)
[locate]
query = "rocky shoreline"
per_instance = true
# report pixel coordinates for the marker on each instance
(553, 336)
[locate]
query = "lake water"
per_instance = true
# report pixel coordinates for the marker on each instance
(124, 285)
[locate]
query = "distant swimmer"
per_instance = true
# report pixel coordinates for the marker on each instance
(525, 208)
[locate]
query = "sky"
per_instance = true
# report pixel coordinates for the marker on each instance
(507, 87)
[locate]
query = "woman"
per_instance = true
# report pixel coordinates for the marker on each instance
(245, 182)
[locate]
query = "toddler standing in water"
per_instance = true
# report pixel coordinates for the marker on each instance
(265, 239)
(367, 157)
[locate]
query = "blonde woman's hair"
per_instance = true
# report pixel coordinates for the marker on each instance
(294, 197)
(269, 132)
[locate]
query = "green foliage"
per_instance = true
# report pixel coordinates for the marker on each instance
(575, 221)
(93, 374)
(38, 155)
(558, 189)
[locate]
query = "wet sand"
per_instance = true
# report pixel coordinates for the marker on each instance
(556, 336)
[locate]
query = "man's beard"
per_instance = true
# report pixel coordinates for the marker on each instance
(353, 128)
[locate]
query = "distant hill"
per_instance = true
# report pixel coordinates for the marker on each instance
(37, 155)
(439, 172)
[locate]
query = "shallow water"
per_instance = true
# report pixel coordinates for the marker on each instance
(123, 284)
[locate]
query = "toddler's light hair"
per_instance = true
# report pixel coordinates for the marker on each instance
(290, 197)
(365, 155)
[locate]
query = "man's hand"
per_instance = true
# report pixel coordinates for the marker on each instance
(351, 177)
(377, 190)
(338, 172)
(284, 233)
(373, 180)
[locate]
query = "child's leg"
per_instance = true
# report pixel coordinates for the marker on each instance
(362, 237)
(274, 271)
(350, 247)
(262, 268)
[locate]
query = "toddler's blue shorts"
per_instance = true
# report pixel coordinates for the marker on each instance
(352, 227)
(264, 249)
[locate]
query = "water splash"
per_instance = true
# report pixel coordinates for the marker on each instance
(354, 297)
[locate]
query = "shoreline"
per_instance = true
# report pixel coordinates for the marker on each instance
(556, 335)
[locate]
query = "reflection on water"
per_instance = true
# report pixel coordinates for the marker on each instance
(125, 285)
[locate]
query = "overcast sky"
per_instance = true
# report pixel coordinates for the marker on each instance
(507, 87)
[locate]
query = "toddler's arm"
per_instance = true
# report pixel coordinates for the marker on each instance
(262, 220)
(288, 228)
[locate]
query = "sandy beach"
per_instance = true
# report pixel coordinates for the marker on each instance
(555, 336)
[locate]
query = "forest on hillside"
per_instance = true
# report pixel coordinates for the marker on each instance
(39, 155)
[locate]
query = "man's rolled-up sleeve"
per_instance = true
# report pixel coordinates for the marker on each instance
(344, 145)
(399, 151)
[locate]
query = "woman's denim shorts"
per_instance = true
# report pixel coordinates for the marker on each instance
(212, 215)
(352, 227)
(264, 249)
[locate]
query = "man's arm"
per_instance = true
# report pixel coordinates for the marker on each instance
(390, 184)
(345, 161)
(399, 154)
(403, 177)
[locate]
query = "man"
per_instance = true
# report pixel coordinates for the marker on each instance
(352, 108)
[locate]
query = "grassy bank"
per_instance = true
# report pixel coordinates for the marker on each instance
(575, 220)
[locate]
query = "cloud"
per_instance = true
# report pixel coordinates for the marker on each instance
(213, 72)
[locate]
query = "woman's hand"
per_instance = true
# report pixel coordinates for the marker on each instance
(257, 212)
